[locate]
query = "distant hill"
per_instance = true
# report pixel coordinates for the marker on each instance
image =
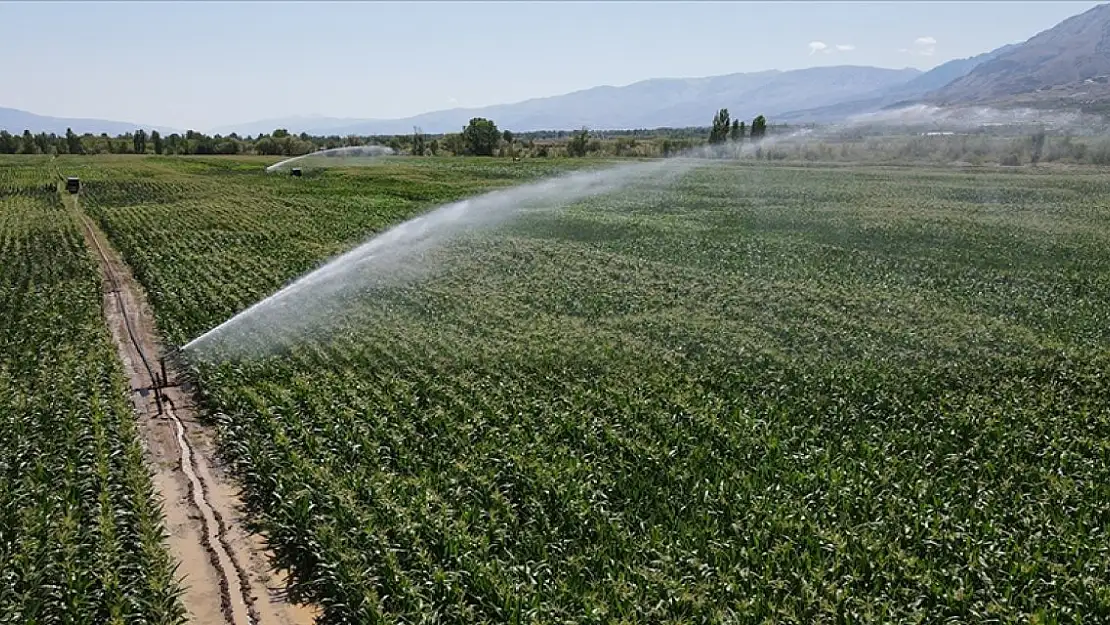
(16, 121)
(659, 102)
(898, 94)
(1066, 65)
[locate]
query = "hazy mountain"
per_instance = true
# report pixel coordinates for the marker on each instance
(945, 73)
(1068, 64)
(909, 91)
(654, 103)
(16, 121)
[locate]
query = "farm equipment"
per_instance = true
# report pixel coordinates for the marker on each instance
(73, 184)
(296, 171)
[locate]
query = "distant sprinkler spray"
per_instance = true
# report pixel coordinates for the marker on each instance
(967, 118)
(335, 157)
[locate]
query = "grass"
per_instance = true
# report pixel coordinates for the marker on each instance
(765, 394)
(80, 531)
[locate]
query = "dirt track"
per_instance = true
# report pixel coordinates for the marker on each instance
(225, 569)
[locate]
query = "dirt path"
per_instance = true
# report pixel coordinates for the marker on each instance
(225, 568)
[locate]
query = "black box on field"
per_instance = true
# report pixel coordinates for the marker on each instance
(73, 184)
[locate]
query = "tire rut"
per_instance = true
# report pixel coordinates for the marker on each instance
(227, 574)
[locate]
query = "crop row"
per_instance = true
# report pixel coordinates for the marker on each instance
(248, 232)
(81, 534)
(764, 394)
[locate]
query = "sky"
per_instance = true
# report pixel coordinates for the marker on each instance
(202, 65)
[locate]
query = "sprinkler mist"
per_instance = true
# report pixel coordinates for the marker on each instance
(402, 253)
(335, 157)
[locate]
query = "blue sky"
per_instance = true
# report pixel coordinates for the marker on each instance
(205, 64)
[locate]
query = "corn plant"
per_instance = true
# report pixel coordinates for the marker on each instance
(81, 534)
(766, 394)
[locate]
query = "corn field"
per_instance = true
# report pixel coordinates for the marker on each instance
(81, 535)
(764, 394)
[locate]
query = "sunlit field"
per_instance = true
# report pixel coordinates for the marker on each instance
(765, 393)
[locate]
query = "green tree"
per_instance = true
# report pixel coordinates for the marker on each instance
(73, 142)
(268, 147)
(433, 147)
(480, 137)
(173, 144)
(8, 143)
(734, 135)
(759, 128)
(453, 143)
(417, 141)
(578, 143)
(719, 131)
(280, 133)
(227, 146)
(156, 139)
(139, 141)
(28, 146)
(508, 137)
(43, 142)
(201, 144)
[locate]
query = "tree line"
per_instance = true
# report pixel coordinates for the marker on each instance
(722, 130)
(480, 137)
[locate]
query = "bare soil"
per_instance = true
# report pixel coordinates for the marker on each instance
(226, 569)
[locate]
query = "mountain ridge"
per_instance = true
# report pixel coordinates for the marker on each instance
(907, 92)
(15, 121)
(1065, 65)
(677, 102)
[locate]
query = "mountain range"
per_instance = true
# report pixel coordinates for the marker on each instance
(1066, 66)
(659, 102)
(16, 121)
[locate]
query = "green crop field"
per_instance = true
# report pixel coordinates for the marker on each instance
(761, 394)
(80, 531)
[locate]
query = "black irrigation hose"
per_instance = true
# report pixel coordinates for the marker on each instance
(119, 301)
(154, 381)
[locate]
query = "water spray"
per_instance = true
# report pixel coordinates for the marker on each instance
(396, 254)
(392, 256)
(350, 155)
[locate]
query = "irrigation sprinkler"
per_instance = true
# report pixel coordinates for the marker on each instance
(73, 184)
(296, 171)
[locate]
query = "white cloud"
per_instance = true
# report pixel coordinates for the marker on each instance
(824, 48)
(452, 101)
(922, 46)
